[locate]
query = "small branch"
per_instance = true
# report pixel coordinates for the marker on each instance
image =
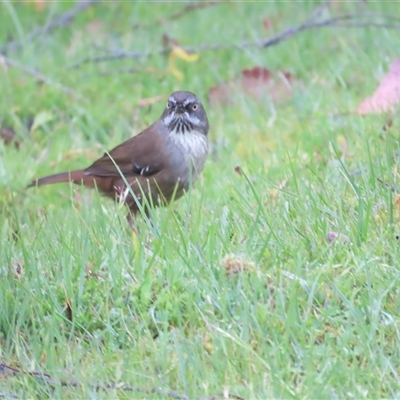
(57, 22)
(121, 71)
(388, 185)
(191, 7)
(36, 74)
(332, 22)
(178, 14)
(361, 25)
(8, 370)
(342, 21)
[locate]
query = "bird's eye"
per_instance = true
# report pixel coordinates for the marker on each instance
(168, 104)
(195, 107)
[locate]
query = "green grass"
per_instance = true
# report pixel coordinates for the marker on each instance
(304, 318)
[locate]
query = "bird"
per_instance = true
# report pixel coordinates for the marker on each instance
(154, 167)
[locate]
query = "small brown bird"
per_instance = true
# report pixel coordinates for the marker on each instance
(154, 167)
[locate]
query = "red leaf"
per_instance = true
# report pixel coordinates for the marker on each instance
(257, 73)
(267, 24)
(258, 82)
(387, 95)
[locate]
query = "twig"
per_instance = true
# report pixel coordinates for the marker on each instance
(57, 22)
(178, 14)
(388, 185)
(191, 7)
(9, 370)
(121, 71)
(331, 22)
(342, 21)
(36, 74)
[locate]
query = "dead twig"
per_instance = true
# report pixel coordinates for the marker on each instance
(337, 22)
(311, 22)
(121, 71)
(7, 370)
(178, 14)
(192, 7)
(36, 74)
(57, 22)
(388, 185)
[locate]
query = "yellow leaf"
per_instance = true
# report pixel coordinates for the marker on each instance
(182, 54)
(178, 52)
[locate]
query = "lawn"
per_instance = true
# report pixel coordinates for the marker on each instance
(276, 277)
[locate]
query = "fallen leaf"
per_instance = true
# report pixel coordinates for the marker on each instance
(178, 52)
(258, 82)
(8, 136)
(235, 264)
(387, 95)
(267, 24)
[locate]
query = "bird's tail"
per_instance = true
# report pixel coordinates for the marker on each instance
(71, 176)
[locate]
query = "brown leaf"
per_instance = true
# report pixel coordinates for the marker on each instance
(267, 24)
(8, 136)
(387, 95)
(234, 264)
(258, 82)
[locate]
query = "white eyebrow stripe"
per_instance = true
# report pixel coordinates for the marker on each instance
(188, 101)
(172, 100)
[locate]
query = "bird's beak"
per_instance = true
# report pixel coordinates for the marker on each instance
(179, 109)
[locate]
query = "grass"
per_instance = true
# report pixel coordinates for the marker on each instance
(235, 288)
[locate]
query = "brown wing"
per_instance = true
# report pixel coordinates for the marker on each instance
(138, 156)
